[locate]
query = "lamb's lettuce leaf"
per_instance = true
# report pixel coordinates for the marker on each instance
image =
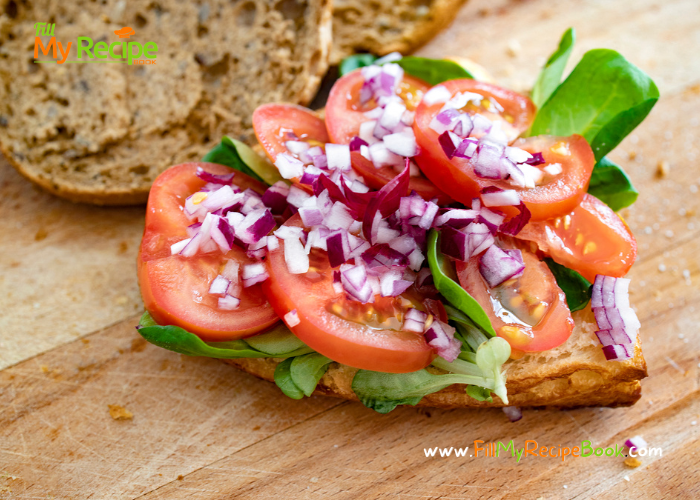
(279, 341)
(432, 71)
(385, 391)
(550, 76)
(604, 98)
(443, 276)
(576, 288)
(307, 370)
(283, 379)
(239, 156)
(611, 185)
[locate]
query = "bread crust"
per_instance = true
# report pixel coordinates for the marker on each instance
(100, 134)
(381, 28)
(575, 375)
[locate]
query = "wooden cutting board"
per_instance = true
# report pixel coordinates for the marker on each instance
(200, 429)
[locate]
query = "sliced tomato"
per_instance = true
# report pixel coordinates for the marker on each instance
(275, 124)
(174, 288)
(592, 239)
(345, 114)
(366, 336)
(376, 178)
(555, 195)
(530, 312)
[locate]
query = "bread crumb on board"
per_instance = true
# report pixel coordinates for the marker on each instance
(120, 413)
(662, 169)
(632, 462)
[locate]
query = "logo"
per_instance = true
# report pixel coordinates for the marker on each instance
(89, 51)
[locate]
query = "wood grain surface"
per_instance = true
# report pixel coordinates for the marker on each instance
(203, 430)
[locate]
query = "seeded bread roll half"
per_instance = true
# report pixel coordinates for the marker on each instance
(101, 133)
(572, 375)
(384, 27)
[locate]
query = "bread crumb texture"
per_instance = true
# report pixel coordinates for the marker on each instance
(384, 27)
(119, 413)
(101, 133)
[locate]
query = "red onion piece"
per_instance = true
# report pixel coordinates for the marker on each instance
(402, 143)
(255, 225)
(513, 413)
(219, 286)
(292, 318)
(338, 247)
(437, 94)
(356, 284)
(295, 256)
(288, 166)
(493, 196)
(466, 148)
(253, 273)
(356, 142)
(216, 179)
(457, 218)
(338, 156)
(636, 443)
(222, 234)
(514, 225)
(488, 163)
(385, 202)
(497, 266)
(382, 258)
(311, 216)
(618, 352)
(449, 142)
(176, 248)
(537, 159)
(493, 219)
(414, 321)
(229, 303)
(441, 336)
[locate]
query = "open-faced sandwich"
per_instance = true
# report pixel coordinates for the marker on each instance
(436, 240)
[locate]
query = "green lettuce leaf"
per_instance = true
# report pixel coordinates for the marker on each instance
(604, 98)
(178, 340)
(307, 370)
(576, 287)
(432, 71)
(241, 157)
(283, 379)
(443, 275)
(550, 76)
(610, 184)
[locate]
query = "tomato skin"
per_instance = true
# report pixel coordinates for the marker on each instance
(271, 121)
(552, 330)
(343, 109)
(456, 177)
(613, 249)
(342, 340)
(174, 288)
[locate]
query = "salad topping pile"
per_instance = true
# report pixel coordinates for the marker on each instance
(430, 219)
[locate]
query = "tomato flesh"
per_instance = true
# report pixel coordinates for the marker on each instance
(175, 289)
(275, 124)
(591, 240)
(357, 335)
(530, 312)
(345, 114)
(555, 195)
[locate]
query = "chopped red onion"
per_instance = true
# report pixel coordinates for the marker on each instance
(497, 266)
(297, 196)
(618, 352)
(437, 94)
(488, 164)
(441, 336)
(356, 284)
(253, 273)
(272, 243)
(402, 143)
(463, 126)
(229, 303)
(466, 148)
(381, 156)
(292, 318)
(338, 247)
(220, 198)
(514, 225)
(289, 232)
(230, 271)
(426, 220)
(216, 179)
(338, 156)
(310, 175)
(491, 218)
(219, 286)
(356, 142)
(176, 248)
(513, 413)
(385, 202)
(537, 159)
(636, 443)
(457, 218)
(444, 120)
(517, 155)
(222, 234)
(415, 259)
(255, 225)
(449, 141)
(414, 321)
(554, 169)
(297, 147)
(404, 244)
(275, 197)
(295, 256)
(340, 217)
(482, 125)
(391, 284)
(311, 216)
(380, 259)
(390, 57)
(492, 196)
(288, 166)
(192, 246)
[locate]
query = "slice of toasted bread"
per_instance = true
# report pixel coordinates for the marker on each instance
(571, 375)
(384, 27)
(101, 133)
